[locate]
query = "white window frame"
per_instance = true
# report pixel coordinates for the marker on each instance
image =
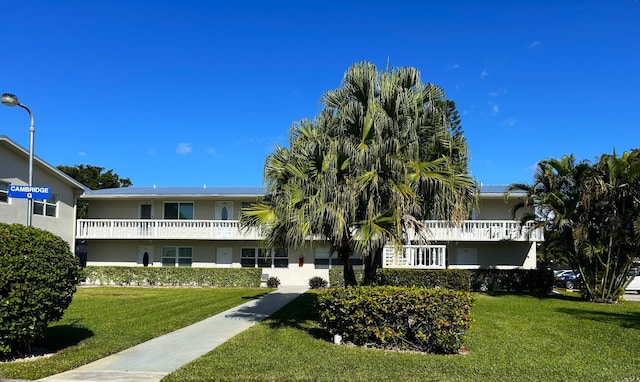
(4, 191)
(164, 210)
(262, 258)
(46, 204)
(179, 253)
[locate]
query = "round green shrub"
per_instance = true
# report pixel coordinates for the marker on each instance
(427, 320)
(38, 277)
(317, 282)
(273, 282)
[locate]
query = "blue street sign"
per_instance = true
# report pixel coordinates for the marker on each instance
(29, 192)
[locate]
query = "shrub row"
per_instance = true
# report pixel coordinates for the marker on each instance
(512, 280)
(477, 280)
(389, 317)
(456, 279)
(38, 277)
(336, 277)
(174, 276)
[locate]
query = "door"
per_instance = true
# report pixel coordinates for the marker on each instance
(224, 210)
(224, 257)
(145, 255)
(225, 229)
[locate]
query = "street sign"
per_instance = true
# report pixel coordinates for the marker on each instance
(29, 192)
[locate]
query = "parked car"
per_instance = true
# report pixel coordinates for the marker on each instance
(634, 285)
(568, 279)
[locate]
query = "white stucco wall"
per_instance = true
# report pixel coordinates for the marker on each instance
(503, 254)
(494, 207)
(126, 253)
(14, 170)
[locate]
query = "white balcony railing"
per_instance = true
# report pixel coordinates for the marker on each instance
(482, 230)
(470, 230)
(415, 257)
(163, 229)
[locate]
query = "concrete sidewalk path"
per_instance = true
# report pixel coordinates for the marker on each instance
(152, 360)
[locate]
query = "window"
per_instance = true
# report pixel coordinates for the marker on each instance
(145, 211)
(262, 258)
(248, 257)
(4, 192)
(177, 256)
(180, 211)
(47, 207)
(324, 258)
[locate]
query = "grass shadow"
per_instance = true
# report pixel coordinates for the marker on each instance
(60, 337)
(299, 314)
(630, 320)
(540, 296)
(255, 296)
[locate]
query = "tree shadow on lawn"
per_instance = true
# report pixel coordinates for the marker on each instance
(254, 296)
(540, 296)
(299, 314)
(630, 320)
(60, 337)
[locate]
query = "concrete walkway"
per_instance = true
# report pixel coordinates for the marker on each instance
(152, 360)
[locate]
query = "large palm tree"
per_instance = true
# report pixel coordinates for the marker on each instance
(406, 158)
(381, 156)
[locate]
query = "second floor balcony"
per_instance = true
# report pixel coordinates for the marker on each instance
(163, 229)
(436, 230)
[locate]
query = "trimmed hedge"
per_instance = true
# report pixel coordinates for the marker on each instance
(336, 277)
(399, 318)
(174, 276)
(512, 280)
(456, 279)
(38, 277)
(476, 280)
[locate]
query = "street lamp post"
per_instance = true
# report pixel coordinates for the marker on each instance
(11, 100)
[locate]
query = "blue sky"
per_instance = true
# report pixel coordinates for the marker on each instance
(187, 93)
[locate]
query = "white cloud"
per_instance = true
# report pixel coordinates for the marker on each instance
(494, 107)
(534, 44)
(211, 151)
(183, 148)
(498, 92)
(453, 66)
(509, 122)
(483, 74)
(82, 154)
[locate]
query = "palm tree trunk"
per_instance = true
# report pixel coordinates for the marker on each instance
(349, 274)
(371, 265)
(344, 253)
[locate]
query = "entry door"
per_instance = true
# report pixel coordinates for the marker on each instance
(224, 257)
(224, 211)
(148, 250)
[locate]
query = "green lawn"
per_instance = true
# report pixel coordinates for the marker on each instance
(513, 338)
(104, 320)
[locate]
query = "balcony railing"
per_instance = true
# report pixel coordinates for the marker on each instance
(415, 257)
(482, 230)
(163, 229)
(470, 230)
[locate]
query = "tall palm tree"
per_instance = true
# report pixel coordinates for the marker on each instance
(407, 159)
(371, 165)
